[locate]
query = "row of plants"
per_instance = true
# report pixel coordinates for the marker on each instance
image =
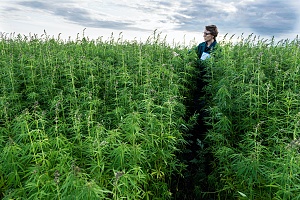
(254, 117)
(94, 119)
(91, 119)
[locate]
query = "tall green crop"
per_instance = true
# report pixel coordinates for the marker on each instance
(254, 119)
(90, 119)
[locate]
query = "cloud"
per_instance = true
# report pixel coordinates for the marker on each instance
(183, 15)
(194, 15)
(150, 15)
(269, 17)
(79, 15)
(266, 17)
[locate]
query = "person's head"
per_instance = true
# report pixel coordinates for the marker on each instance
(210, 33)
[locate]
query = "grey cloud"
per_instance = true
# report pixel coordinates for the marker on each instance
(78, 16)
(197, 13)
(164, 3)
(270, 18)
(200, 13)
(155, 7)
(10, 9)
(34, 4)
(266, 17)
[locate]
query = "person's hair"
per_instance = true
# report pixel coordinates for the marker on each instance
(212, 29)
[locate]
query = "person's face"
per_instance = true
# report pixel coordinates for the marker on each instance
(207, 36)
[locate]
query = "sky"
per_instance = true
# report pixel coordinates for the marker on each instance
(181, 21)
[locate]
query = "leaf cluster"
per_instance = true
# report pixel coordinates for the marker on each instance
(91, 119)
(254, 119)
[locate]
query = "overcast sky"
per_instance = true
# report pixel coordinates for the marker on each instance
(179, 21)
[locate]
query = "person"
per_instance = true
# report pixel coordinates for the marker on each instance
(198, 101)
(204, 49)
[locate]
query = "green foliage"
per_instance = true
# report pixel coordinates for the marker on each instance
(254, 119)
(94, 119)
(91, 119)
